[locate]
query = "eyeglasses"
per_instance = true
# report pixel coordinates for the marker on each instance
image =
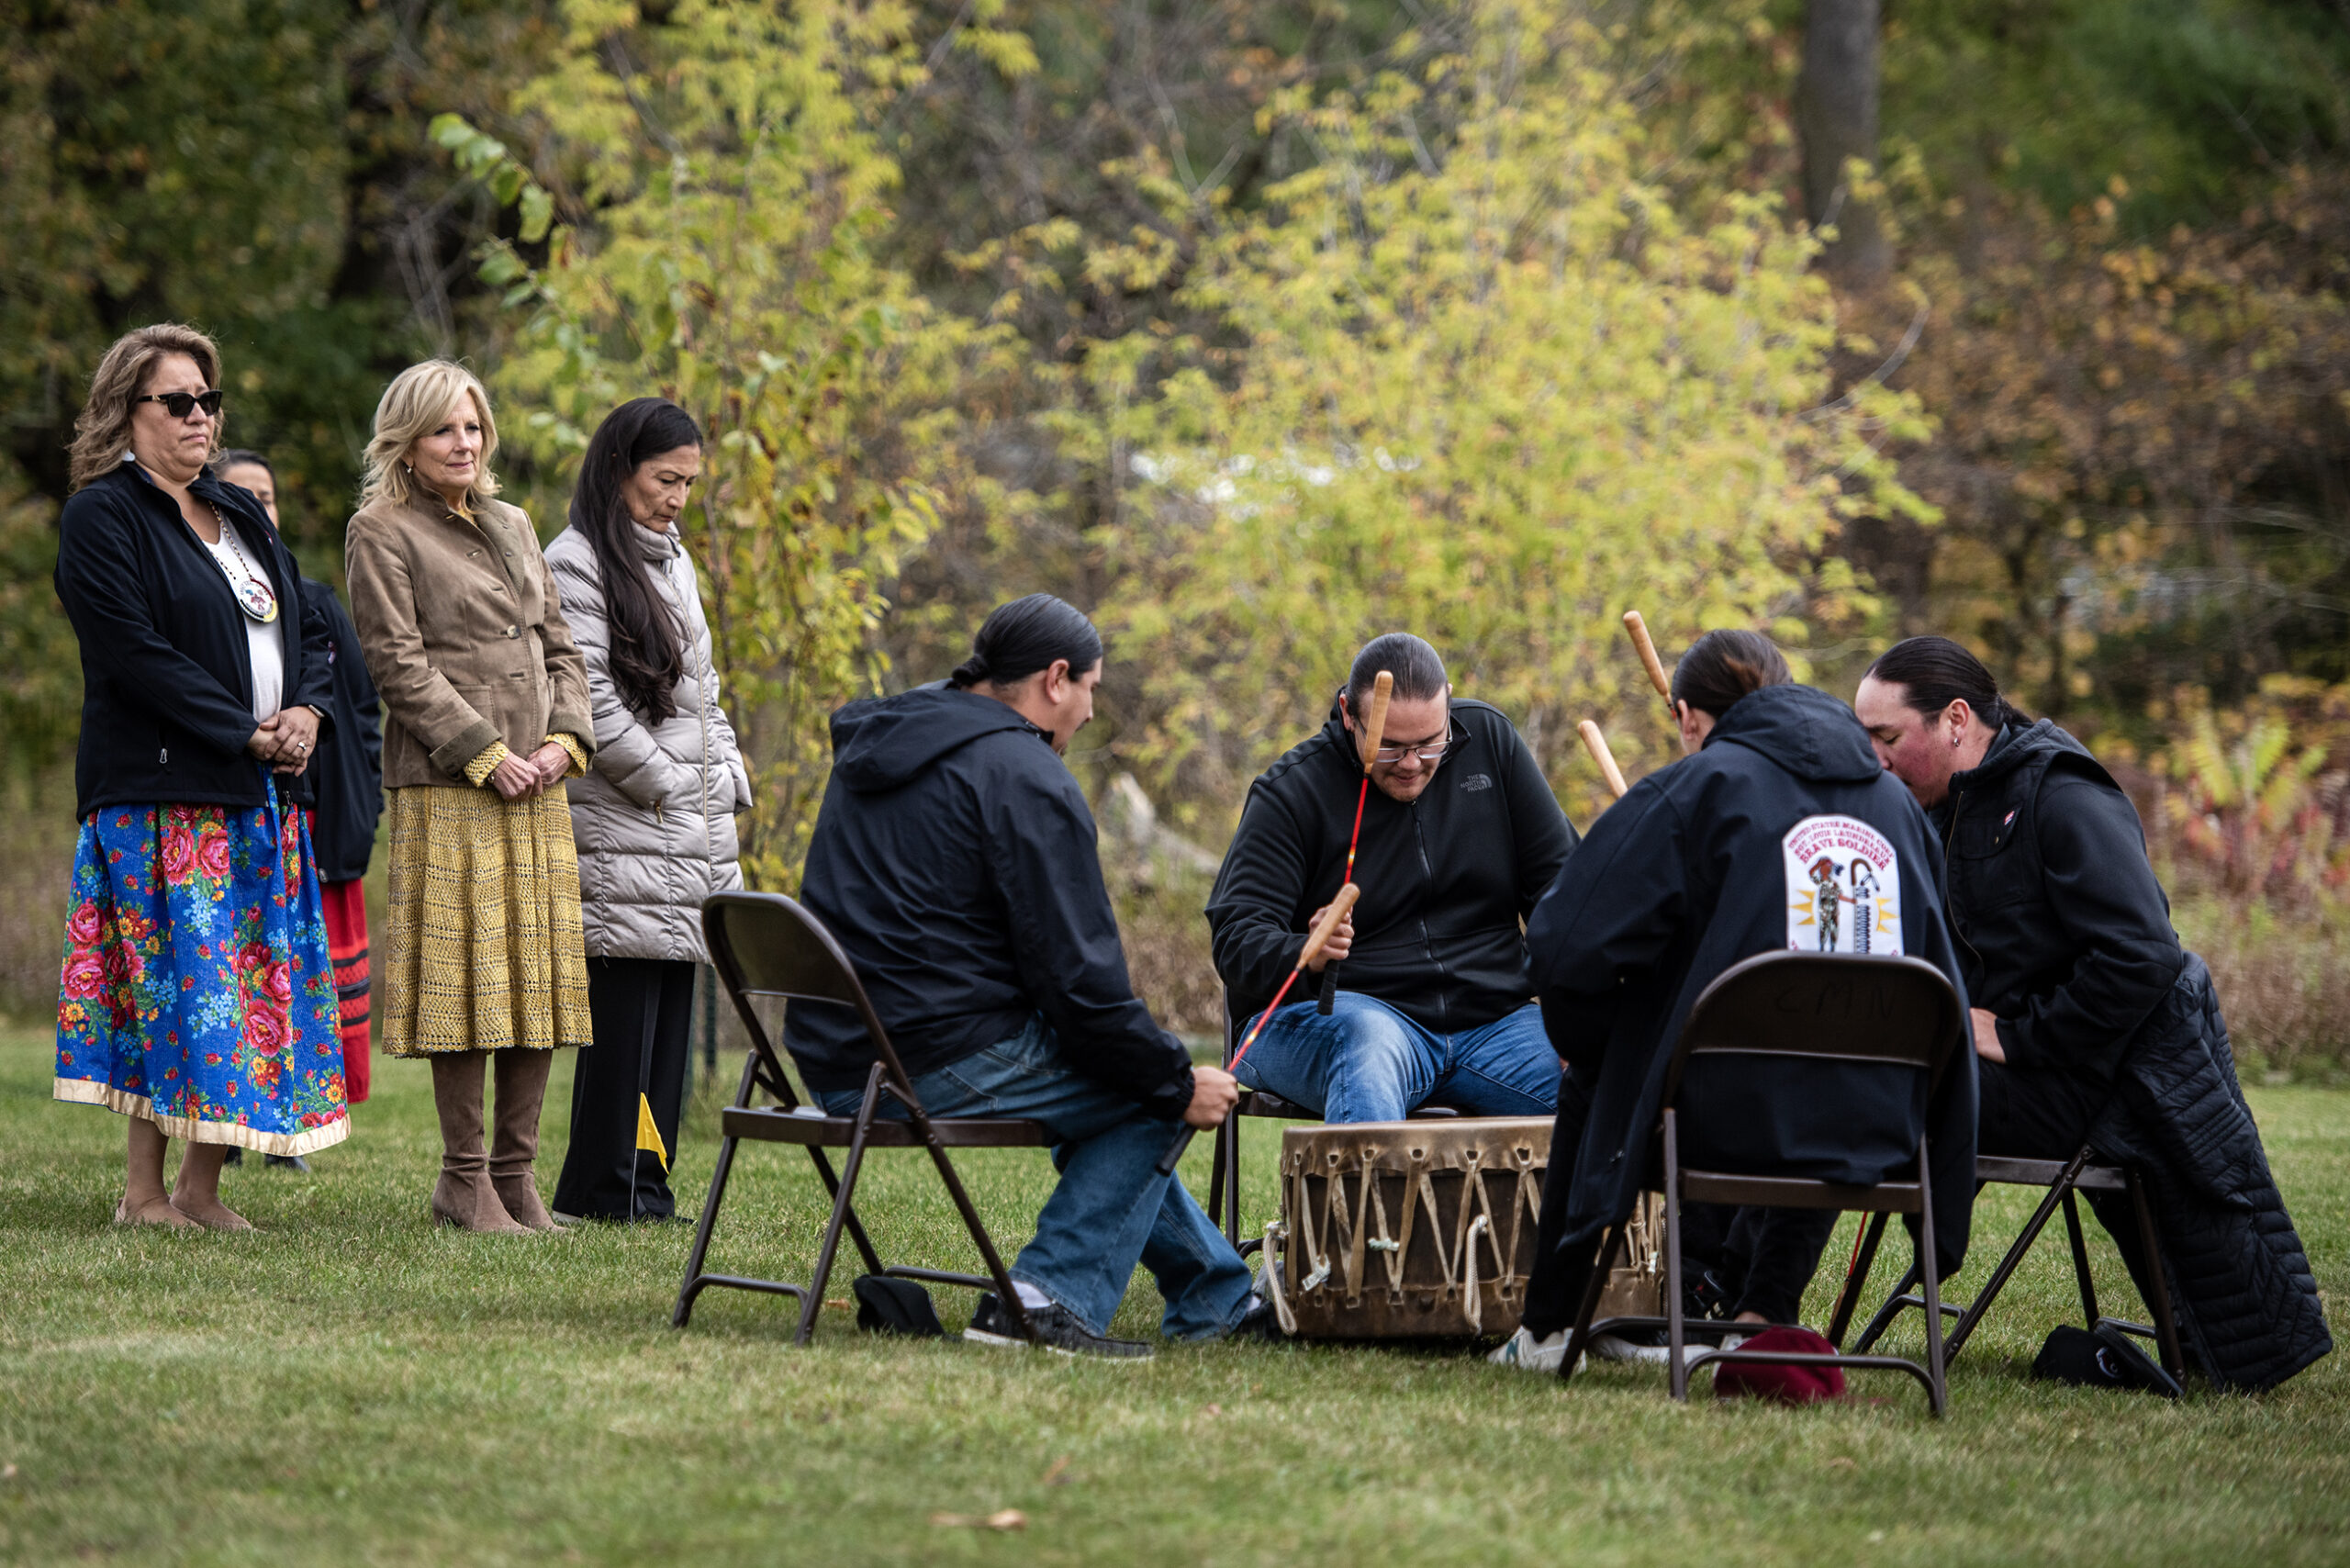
(177, 404)
(1434, 752)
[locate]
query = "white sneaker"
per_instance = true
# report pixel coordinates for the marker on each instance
(1611, 1347)
(1523, 1352)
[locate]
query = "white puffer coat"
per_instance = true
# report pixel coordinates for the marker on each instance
(654, 817)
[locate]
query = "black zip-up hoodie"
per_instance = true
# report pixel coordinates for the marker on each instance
(1683, 876)
(1446, 880)
(956, 861)
(2061, 924)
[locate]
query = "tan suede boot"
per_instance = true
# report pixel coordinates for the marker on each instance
(464, 1196)
(522, 1089)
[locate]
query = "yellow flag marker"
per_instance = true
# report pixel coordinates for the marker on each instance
(647, 1134)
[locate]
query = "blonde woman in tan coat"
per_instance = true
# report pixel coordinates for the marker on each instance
(486, 715)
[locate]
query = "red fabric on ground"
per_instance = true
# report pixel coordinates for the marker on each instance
(1787, 1385)
(346, 913)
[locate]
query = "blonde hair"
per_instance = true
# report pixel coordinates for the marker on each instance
(413, 408)
(102, 430)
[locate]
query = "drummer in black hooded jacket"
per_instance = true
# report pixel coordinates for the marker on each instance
(1710, 861)
(1460, 833)
(955, 860)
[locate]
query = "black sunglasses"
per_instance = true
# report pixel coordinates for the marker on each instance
(177, 404)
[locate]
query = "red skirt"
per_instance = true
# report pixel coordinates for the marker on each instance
(346, 913)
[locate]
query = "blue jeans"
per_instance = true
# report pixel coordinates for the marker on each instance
(1365, 1062)
(1112, 1208)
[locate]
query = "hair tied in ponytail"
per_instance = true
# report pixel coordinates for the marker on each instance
(1722, 666)
(1024, 636)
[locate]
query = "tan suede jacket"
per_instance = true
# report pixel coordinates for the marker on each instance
(464, 634)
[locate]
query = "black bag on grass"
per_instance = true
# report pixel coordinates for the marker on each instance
(885, 1305)
(2104, 1358)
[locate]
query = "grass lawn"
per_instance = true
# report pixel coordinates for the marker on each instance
(353, 1385)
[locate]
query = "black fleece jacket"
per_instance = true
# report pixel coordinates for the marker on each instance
(955, 860)
(2062, 927)
(348, 773)
(167, 685)
(1446, 880)
(1683, 876)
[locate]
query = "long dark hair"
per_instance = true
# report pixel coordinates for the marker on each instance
(1722, 666)
(647, 656)
(1934, 672)
(1024, 636)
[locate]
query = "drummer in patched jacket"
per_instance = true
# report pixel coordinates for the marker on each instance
(1459, 835)
(1779, 831)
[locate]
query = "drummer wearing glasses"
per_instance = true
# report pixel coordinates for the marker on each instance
(1459, 837)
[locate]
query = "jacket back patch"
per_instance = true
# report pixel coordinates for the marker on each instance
(1844, 887)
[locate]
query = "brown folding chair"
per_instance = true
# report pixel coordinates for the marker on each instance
(1223, 1167)
(1896, 1012)
(2062, 1178)
(766, 944)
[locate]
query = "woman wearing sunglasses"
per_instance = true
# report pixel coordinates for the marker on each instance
(197, 998)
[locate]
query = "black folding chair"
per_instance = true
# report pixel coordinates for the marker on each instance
(766, 944)
(1896, 1012)
(2062, 1178)
(1224, 1166)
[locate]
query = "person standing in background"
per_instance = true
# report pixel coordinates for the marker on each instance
(346, 781)
(654, 818)
(196, 998)
(486, 715)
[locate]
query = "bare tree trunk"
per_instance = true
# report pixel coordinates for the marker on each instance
(1836, 116)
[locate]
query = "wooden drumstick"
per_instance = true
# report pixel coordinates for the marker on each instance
(1375, 720)
(1315, 939)
(1597, 743)
(1639, 630)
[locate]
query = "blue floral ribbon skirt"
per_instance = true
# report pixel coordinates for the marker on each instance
(196, 991)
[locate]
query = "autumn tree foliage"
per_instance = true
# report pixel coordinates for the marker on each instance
(710, 196)
(1488, 385)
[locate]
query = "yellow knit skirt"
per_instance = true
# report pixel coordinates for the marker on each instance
(484, 951)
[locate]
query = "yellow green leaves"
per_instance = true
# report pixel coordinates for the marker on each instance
(1490, 388)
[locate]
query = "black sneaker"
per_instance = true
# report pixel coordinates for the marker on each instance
(285, 1162)
(1060, 1333)
(1259, 1322)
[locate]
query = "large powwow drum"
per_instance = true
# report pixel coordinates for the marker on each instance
(1397, 1230)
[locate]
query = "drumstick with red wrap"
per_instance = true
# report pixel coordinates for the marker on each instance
(1332, 917)
(1374, 729)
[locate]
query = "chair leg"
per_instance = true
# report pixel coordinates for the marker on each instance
(2081, 1262)
(1006, 1294)
(1856, 1278)
(2060, 1191)
(1611, 1247)
(1929, 1268)
(692, 1288)
(1676, 1335)
(1230, 1146)
(855, 1229)
(1888, 1312)
(814, 1302)
(2150, 1243)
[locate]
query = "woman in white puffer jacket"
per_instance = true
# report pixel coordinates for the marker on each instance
(654, 817)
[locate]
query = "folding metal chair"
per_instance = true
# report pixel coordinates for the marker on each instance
(2062, 1178)
(1224, 1166)
(1896, 1012)
(766, 944)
